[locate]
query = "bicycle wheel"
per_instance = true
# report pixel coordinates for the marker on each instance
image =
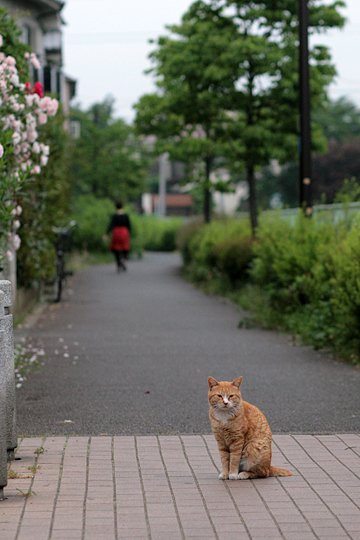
(59, 278)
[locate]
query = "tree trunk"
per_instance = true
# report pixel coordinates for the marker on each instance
(250, 176)
(207, 191)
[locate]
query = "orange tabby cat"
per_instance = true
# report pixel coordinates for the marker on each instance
(242, 433)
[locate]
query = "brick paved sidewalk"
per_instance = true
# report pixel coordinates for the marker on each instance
(166, 487)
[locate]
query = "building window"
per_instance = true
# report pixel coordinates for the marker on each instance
(26, 35)
(52, 41)
(52, 81)
(47, 79)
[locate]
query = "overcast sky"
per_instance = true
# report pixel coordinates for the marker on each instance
(106, 48)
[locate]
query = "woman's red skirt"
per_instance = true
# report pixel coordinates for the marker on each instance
(120, 240)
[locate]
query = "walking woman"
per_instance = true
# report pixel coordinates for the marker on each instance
(120, 229)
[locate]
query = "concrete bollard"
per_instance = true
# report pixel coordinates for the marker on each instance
(7, 373)
(3, 431)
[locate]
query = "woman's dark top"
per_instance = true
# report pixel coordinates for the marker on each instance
(119, 220)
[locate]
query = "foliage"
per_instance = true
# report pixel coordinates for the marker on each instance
(339, 119)
(184, 237)
(346, 298)
(227, 86)
(283, 186)
(208, 250)
(303, 277)
(45, 205)
(23, 111)
(349, 192)
(13, 46)
(107, 160)
(233, 257)
(194, 75)
(292, 261)
(331, 169)
(159, 234)
(340, 122)
(92, 215)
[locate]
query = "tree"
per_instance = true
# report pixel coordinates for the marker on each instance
(228, 85)
(108, 160)
(195, 75)
(341, 162)
(267, 92)
(339, 119)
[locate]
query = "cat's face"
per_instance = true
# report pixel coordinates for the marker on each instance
(225, 396)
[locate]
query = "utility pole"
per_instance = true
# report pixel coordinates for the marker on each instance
(305, 105)
(163, 177)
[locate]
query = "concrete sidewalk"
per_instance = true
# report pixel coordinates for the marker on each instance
(166, 487)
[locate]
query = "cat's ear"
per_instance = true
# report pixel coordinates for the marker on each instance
(236, 382)
(212, 382)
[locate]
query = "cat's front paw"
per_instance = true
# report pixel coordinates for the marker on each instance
(233, 476)
(243, 475)
(223, 476)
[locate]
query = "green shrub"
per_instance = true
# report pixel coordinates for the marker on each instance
(233, 257)
(207, 248)
(204, 241)
(302, 277)
(294, 262)
(137, 241)
(92, 216)
(184, 236)
(345, 289)
(159, 234)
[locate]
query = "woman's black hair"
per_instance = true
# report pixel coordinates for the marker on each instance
(118, 205)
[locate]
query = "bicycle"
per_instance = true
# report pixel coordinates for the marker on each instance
(62, 246)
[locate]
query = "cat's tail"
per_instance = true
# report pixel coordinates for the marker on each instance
(279, 471)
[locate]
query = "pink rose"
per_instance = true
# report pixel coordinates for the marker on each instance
(34, 60)
(42, 118)
(44, 160)
(10, 60)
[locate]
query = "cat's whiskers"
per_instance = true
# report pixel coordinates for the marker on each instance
(223, 414)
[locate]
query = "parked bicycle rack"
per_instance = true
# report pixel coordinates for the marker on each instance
(8, 438)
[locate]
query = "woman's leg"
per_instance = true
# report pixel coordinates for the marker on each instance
(117, 258)
(122, 260)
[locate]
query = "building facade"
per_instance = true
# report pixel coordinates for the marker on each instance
(41, 23)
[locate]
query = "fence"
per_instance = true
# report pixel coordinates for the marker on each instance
(333, 213)
(8, 439)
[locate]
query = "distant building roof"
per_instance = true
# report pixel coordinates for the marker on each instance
(175, 200)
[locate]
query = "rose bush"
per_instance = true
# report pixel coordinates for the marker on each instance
(22, 152)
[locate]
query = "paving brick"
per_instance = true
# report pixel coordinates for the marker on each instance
(129, 487)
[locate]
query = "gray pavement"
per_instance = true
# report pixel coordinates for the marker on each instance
(131, 353)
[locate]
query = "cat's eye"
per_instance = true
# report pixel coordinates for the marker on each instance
(231, 396)
(219, 395)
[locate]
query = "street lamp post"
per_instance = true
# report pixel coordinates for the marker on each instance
(304, 102)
